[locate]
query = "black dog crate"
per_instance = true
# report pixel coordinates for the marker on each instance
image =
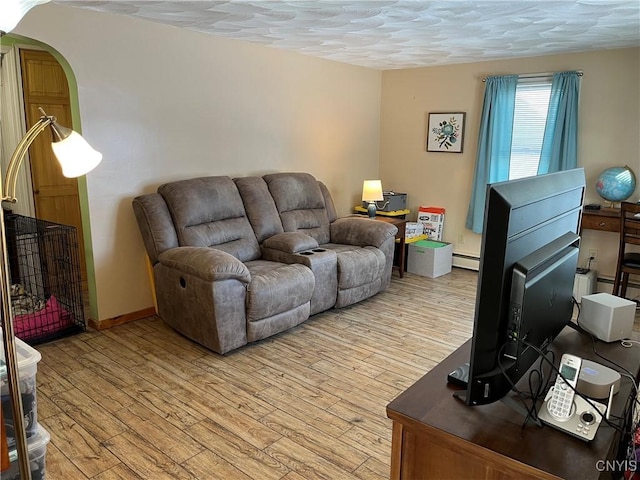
(46, 283)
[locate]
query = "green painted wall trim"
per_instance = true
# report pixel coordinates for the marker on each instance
(13, 40)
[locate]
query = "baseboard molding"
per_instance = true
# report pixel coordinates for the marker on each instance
(605, 285)
(469, 262)
(121, 319)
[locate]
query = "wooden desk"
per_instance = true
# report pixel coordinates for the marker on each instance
(605, 219)
(400, 238)
(437, 436)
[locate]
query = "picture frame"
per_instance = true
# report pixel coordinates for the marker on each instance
(445, 132)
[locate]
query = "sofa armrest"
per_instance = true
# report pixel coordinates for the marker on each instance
(361, 231)
(205, 263)
(291, 242)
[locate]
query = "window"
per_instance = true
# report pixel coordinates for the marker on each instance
(530, 116)
(529, 125)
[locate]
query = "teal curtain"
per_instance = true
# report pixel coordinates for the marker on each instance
(494, 143)
(560, 142)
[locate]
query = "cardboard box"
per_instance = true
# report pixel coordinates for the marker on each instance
(412, 230)
(432, 219)
(430, 258)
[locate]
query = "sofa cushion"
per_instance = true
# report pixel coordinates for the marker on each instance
(276, 288)
(357, 265)
(300, 203)
(208, 212)
(260, 207)
(328, 203)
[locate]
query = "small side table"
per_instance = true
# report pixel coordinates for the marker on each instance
(400, 238)
(396, 213)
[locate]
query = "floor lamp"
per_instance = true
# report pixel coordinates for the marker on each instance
(76, 157)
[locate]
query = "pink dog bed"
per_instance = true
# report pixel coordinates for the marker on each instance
(51, 319)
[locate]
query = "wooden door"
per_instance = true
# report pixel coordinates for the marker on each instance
(55, 197)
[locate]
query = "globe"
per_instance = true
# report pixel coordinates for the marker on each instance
(616, 184)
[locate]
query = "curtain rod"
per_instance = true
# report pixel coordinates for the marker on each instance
(539, 75)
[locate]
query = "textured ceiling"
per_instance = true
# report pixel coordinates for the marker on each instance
(390, 34)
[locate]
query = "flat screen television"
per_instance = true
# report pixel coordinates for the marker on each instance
(525, 285)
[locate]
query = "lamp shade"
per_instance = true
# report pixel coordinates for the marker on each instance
(12, 11)
(75, 155)
(372, 191)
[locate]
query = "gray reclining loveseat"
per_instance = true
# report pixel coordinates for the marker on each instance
(238, 260)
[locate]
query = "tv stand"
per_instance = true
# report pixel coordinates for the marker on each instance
(438, 436)
(509, 401)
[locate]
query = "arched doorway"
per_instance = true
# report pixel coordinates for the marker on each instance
(42, 78)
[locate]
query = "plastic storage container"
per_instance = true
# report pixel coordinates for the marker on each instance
(28, 359)
(392, 202)
(37, 447)
(429, 258)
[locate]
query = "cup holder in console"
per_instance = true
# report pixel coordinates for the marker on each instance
(312, 251)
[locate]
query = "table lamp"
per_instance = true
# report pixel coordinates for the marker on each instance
(76, 158)
(372, 193)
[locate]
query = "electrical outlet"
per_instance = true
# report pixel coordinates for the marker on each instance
(461, 238)
(593, 256)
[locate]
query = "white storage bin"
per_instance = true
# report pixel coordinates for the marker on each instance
(28, 359)
(37, 447)
(430, 258)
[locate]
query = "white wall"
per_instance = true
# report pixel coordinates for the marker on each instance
(609, 133)
(163, 104)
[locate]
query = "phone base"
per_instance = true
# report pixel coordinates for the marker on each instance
(583, 424)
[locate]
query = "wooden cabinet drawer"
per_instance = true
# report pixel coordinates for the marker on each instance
(597, 221)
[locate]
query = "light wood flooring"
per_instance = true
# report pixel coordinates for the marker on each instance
(139, 401)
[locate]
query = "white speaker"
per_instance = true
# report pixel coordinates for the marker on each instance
(606, 316)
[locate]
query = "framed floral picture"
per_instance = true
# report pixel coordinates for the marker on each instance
(445, 132)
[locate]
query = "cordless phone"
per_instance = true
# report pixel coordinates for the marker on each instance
(571, 413)
(561, 403)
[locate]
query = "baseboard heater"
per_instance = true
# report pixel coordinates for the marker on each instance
(609, 281)
(469, 262)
